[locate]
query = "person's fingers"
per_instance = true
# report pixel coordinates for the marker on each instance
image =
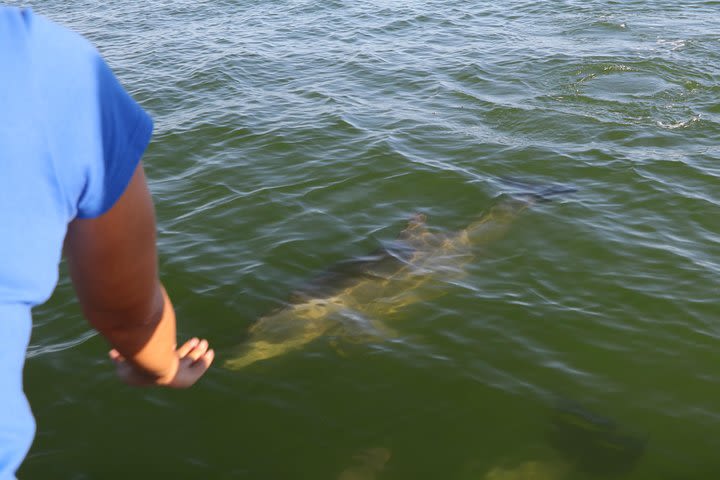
(206, 360)
(200, 350)
(197, 367)
(201, 366)
(115, 356)
(195, 355)
(187, 347)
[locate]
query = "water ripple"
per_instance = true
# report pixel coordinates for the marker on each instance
(292, 135)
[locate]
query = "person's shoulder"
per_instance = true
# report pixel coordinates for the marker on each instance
(57, 35)
(47, 37)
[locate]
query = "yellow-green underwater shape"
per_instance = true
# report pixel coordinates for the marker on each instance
(366, 290)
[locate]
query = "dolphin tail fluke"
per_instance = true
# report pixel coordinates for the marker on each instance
(553, 191)
(538, 193)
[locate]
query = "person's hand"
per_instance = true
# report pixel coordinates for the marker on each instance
(193, 359)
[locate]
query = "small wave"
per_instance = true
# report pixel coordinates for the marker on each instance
(37, 350)
(684, 124)
(672, 44)
(610, 24)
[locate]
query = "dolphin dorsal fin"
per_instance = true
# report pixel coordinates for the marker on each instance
(416, 227)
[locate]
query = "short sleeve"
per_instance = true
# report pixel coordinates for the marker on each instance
(125, 130)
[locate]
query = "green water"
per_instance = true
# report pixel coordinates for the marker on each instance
(290, 135)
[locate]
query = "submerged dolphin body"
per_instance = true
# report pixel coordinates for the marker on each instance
(378, 285)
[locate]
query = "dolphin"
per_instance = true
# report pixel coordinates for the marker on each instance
(367, 289)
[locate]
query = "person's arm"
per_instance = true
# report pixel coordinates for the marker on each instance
(113, 265)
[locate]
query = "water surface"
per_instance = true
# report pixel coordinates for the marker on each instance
(292, 134)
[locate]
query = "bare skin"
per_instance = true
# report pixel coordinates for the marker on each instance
(113, 265)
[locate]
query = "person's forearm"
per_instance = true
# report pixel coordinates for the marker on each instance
(145, 337)
(112, 260)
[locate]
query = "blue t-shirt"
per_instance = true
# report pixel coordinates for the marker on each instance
(70, 140)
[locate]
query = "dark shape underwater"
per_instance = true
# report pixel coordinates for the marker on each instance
(352, 299)
(592, 443)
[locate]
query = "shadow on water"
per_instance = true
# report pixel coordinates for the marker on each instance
(578, 443)
(592, 443)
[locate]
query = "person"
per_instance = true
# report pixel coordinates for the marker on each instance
(71, 141)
